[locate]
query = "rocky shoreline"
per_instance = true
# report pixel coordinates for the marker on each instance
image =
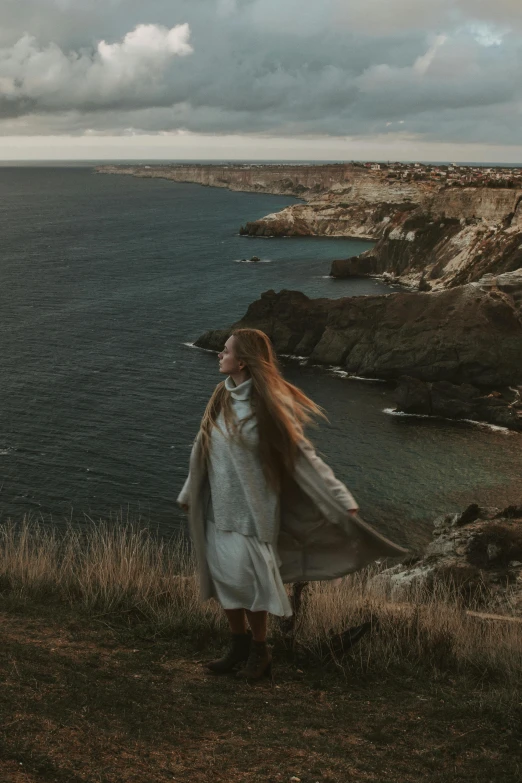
(463, 401)
(461, 349)
(470, 334)
(458, 251)
(430, 235)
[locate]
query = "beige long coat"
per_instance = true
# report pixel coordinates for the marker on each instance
(318, 537)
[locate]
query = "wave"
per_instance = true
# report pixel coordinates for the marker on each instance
(488, 426)
(293, 357)
(332, 369)
(345, 374)
(482, 424)
(199, 348)
(4, 452)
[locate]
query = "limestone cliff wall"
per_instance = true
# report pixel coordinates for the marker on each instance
(490, 204)
(279, 179)
(320, 219)
(427, 234)
(435, 253)
(342, 184)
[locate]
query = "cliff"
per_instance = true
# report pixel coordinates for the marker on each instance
(285, 179)
(470, 334)
(429, 239)
(428, 234)
(457, 237)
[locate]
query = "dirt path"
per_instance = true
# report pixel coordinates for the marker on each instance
(83, 702)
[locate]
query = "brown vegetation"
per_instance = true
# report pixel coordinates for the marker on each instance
(103, 641)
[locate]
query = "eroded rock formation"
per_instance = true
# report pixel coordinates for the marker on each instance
(444, 251)
(470, 334)
(477, 554)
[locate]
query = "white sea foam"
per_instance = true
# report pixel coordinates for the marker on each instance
(294, 358)
(370, 380)
(395, 412)
(198, 348)
(486, 425)
(332, 369)
(482, 424)
(345, 374)
(4, 452)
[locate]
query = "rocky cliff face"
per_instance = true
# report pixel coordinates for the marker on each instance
(428, 235)
(435, 251)
(342, 199)
(396, 212)
(329, 217)
(491, 205)
(471, 334)
(294, 180)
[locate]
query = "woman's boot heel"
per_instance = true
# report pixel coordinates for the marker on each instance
(238, 652)
(259, 662)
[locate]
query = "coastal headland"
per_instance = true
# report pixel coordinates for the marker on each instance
(469, 338)
(434, 226)
(452, 235)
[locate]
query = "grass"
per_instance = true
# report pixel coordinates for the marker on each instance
(103, 639)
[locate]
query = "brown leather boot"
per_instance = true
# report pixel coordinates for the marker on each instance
(259, 662)
(237, 653)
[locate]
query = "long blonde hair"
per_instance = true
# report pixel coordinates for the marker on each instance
(281, 408)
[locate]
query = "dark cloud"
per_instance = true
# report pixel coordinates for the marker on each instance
(449, 70)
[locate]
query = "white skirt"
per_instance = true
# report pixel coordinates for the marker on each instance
(245, 572)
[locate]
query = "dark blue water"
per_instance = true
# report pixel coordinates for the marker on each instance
(103, 279)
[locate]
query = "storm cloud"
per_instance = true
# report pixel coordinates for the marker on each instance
(441, 70)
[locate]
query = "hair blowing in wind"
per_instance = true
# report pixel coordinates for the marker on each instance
(281, 408)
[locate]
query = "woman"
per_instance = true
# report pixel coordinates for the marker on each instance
(264, 509)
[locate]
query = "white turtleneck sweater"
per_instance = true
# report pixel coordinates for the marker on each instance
(241, 498)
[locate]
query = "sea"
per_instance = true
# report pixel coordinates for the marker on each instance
(105, 284)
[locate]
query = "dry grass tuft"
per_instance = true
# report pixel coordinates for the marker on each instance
(125, 571)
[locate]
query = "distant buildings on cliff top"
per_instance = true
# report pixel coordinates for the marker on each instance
(454, 175)
(450, 175)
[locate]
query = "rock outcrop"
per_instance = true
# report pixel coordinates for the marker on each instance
(330, 215)
(464, 401)
(444, 252)
(477, 554)
(357, 266)
(462, 335)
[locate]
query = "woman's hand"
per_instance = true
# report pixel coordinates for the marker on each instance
(353, 511)
(185, 506)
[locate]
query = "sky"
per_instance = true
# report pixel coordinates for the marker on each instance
(261, 79)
